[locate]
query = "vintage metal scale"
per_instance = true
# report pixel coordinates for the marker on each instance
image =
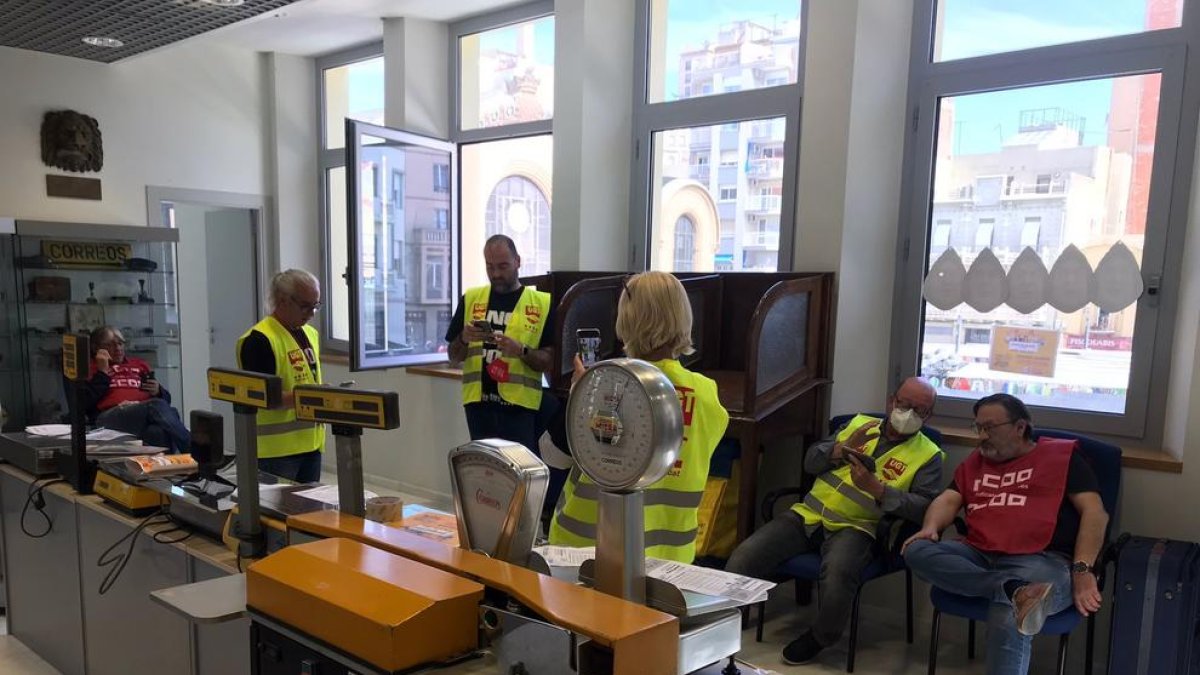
(625, 427)
(499, 488)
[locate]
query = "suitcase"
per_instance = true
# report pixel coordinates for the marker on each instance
(1156, 607)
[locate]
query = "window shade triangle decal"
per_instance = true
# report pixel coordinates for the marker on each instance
(1118, 280)
(944, 283)
(985, 287)
(1071, 281)
(1027, 282)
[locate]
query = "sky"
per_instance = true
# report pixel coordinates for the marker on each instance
(970, 28)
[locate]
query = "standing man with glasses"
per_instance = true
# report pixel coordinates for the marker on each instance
(840, 515)
(1035, 526)
(284, 344)
(503, 347)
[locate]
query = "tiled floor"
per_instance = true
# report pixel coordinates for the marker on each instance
(16, 659)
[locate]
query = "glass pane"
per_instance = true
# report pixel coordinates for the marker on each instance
(354, 90)
(507, 75)
(1040, 169)
(725, 212)
(706, 47)
(968, 28)
(402, 277)
(337, 301)
(506, 189)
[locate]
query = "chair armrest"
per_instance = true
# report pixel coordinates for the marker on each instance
(768, 502)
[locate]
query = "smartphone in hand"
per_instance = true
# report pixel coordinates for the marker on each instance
(866, 460)
(588, 340)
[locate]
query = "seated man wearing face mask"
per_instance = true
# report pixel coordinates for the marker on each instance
(839, 515)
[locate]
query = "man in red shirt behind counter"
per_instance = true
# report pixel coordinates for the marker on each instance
(122, 394)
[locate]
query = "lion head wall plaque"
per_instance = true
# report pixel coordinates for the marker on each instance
(71, 141)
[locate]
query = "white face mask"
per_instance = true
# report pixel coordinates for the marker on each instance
(905, 422)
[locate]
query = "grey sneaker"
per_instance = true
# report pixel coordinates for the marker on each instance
(1029, 605)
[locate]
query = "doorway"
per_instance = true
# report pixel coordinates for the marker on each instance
(221, 268)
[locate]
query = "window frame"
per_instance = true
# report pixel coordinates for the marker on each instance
(461, 137)
(1164, 51)
(327, 159)
(708, 110)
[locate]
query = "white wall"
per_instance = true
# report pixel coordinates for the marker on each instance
(190, 116)
(851, 154)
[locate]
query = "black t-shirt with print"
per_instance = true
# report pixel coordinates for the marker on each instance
(258, 357)
(500, 307)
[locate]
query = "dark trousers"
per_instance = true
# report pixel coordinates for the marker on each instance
(844, 554)
(496, 420)
(302, 468)
(154, 421)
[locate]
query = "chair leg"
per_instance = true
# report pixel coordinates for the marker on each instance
(971, 640)
(1062, 653)
(908, 605)
(853, 632)
(804, 589)
(933, 640)
(1088, 657)
(762, 608)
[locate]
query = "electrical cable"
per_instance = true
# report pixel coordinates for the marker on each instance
(118, 561)
(38, 500)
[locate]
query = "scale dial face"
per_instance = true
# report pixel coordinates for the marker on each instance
(624, 424)
(486, 486)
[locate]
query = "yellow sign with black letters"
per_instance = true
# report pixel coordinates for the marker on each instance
(87, 253)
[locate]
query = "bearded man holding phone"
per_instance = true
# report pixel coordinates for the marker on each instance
(867, 469)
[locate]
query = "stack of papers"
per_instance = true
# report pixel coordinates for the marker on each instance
(745, 590)
(326, 494)
(64, 431)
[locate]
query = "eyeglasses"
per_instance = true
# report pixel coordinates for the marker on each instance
(306, 306)
(625, 285)
(987, 428)
(111, 343)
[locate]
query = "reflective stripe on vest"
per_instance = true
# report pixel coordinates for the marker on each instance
(672, 503)
(836, 503)
(279, 432)
(525, 325)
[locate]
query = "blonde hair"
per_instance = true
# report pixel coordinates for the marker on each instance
(285, 283)
(654, 314)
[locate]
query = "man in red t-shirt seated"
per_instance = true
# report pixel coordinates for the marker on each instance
(122, 395)
(1035, 526)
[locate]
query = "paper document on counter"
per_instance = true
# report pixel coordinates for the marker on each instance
(709, 581)
(328, 494)
(64, 431)
(565, 556)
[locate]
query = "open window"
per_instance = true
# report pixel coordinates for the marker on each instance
(403, 271)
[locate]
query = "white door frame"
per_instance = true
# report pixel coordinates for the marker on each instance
(261, 223)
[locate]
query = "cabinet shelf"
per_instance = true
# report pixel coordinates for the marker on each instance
(102, 304)
(45, 268)
(43, 369)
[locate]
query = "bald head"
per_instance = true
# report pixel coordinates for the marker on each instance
(910, 406)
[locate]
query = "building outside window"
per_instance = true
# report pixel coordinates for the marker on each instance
(1047, 168)
(724, 166)
(504, 105)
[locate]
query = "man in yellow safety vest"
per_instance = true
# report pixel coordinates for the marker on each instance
(501, 333)
(839, 515)
(284, 344)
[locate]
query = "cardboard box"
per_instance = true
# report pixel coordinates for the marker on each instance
(391, 612)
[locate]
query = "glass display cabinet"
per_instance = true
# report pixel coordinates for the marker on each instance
(71, 277)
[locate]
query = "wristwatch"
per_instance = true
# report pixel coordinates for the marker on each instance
(1079, 567)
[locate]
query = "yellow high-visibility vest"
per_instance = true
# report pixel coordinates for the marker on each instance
(279, 433)
(672, 503)
(528, 320)
(836, 503)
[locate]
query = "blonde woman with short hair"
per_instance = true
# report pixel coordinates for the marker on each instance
(654, 321)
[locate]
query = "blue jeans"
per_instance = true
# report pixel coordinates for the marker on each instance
(302, 468)
(154, 421)
(959, 568)
(496, 420)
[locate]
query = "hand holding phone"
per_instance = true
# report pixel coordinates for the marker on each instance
(588, 340)
(867, 461)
